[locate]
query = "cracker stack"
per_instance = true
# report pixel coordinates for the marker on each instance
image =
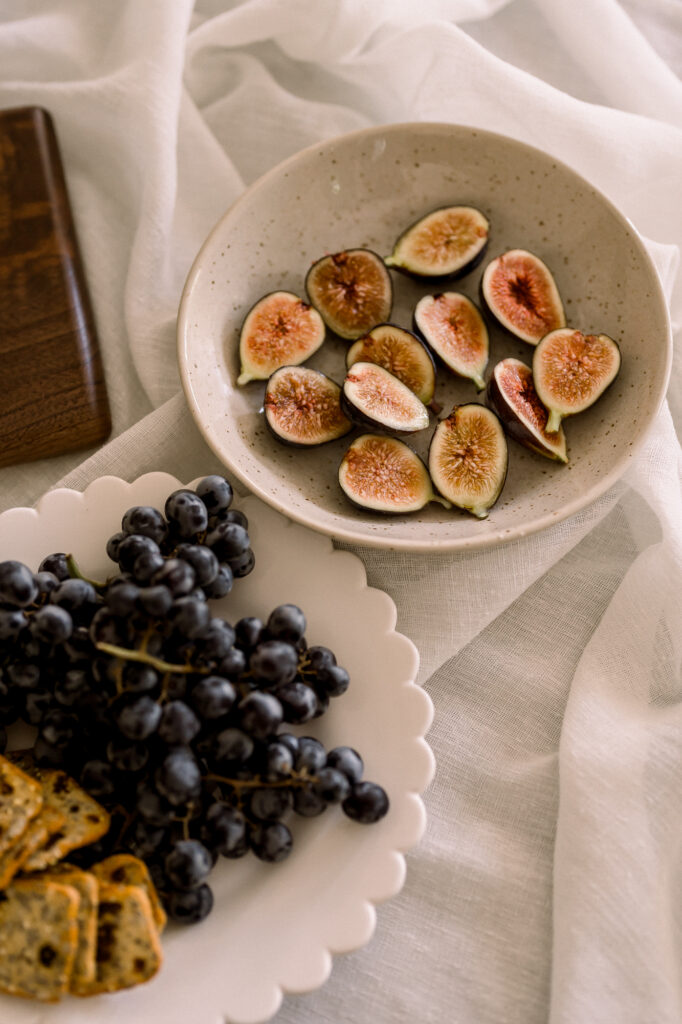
(64, 930)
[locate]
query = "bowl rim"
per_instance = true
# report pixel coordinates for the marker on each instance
(353, 536)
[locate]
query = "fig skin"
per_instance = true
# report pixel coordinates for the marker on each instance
(571, 370)
(463, 350)
(279, 330)
(381, 474)
(519, 292)
(402, 354)
(468, 458)
(351, 290)
(425, 249)
(512, 395)
(310, 402)
(373, 383)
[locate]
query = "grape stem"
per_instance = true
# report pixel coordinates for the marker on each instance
(148, 659)
(74, 571)
(260, 783)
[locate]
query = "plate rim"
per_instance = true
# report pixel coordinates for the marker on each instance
(381, 542)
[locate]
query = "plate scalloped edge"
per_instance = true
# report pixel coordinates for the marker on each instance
(385, 870)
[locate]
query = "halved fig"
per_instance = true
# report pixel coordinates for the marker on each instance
(352, 291)
(303, 407)
(512, 395)
(520, 292)
(454, 329)
(399, 352)
(571, 370)
(448, 242)
(371, 396)
(280, 330)
(384, 475)
(468, 458)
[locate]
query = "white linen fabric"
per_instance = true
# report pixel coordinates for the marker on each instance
(548, 886)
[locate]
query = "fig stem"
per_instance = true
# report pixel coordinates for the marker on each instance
(553, 421)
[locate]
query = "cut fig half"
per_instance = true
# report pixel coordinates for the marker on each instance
(448, 242)
(280, 330)
(384, 475)
(352, 291)
(452, 326)
(571, 370)
(512, 395)
(520, 292)
(302, 407)
(372, 397)
(468, 458)
(399, 352)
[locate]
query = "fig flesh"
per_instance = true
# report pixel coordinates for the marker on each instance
(279, 330)
(384, 475)
(351, 290)
(452, 326)
(571, 370)
(448, 242)
(399, 352)
(512, 395)
(520, 292)
(372, 397)
(468, 458)
(302, 407)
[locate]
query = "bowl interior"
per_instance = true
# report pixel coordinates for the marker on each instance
(362, 190)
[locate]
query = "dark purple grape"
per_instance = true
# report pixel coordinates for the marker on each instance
(233, 664)
(274, 662)
(24, 674)
(146, 565)
(18, 588)
(216, 493)
(46, 583)
(216, 641)
(231, 745)
(270, 804)
(311, 755)
(348, 761)
(188, 864)
(126, 756)
(186, 513)
(179, 724)
(146, 521)
(332, 785)
(51, 624)
(36, 704)
(307, 803)
(108, 628)
(132, 546)
(212, 697)
(138, 720)
(366, 803)
(319, 659)
(299, 702)
(202, 560)
(12, 622)
(242, 564)
(155, 601)
(59, 728)
(177, 576)
(224, 829)
(260, 714)
(189, 907)
(288, 740)
(286, 622)
(333, 681)
(278, 761)
(189, 617)
(178, 777)
(228, 540)
(153, 807)
(234, 515)
(271, 843)
(121, 598)
(57, 564)
(145, 839)
(221, 585)
(249, 632)
(72, 686)
(139, 678)
(78, 597)
(113, 545)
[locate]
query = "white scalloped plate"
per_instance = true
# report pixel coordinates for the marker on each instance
(274, 928)
(363, 189)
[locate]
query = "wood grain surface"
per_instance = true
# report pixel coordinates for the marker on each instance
(52, 390)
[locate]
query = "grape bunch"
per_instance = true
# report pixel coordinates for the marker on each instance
(177, 721)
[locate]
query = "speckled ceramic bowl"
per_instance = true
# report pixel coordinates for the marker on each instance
(364, 189)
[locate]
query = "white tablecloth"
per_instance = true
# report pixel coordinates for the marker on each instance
(549, 883)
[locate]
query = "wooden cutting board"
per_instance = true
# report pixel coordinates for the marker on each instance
(52, 390)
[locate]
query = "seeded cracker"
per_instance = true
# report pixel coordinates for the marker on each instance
(124, 869)
(87, 887)
(86, 820)
(35, 836)
(21, 798)
(128, 945)
(38, 936)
